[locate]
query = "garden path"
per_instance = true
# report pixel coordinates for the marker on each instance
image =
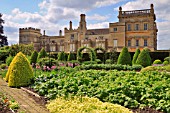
(27, 104)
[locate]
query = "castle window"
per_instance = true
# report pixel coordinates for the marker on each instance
(72, 36)
(72, 47)
(129, 27)
(35, 39)
(25, 39)
(145, 26)
(115, 29)
(115, 43)
(137, 42)
(145, 42)
(52, 48)
(61, 48)
(129, 42)
(136, 27)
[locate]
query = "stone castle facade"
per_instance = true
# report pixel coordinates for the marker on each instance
(135, 29)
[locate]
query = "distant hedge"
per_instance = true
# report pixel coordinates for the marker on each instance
(110, 67)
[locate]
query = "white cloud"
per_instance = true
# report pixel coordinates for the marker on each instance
(98, 25)
(101, 3)
(98, 17)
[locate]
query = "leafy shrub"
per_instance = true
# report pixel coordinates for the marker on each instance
(34, 57)
(165, 62)
(25, 49)
(167, 59)
(3, 66)
(126, 88)
(144, 58)
(3, 73)
(28, 58)
(98, 61)
(89, 62)
(108, 61)
(71, 56)
(167, 67)
(47, 62)
(157, 61)
(74, 61)
(110, 67)
(61, 56)
(42, 53)
(124, 57)
(84, 104)
(9, 60)
(19, 72)
(153, 68)
(135, 56)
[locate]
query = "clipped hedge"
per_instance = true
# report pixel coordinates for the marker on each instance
(34, 57)
(124, 57)
(47, 62)
(19, 72)
(42, 53)
(110, 67)
(61, 56)
(144, 58)
(153, 68)
(108, 61)
(135, 56)
(3, 66)
(167, 59)
(157, 61)
(71, 56)
(84, 105)
(89, 62)
(165, 62)
(92, 53)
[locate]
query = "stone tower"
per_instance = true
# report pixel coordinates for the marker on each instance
(30, 36)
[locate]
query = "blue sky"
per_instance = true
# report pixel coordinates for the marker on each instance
(54, 15)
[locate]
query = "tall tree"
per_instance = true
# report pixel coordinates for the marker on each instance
(3, 39)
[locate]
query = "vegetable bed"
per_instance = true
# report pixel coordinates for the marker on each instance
(130, 89)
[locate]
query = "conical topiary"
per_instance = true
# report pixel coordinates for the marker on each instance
(19, 72)
(124, 57)
(34, 57)
(71, 56)
(135, 56)
(42, 53)
(144, 58)
(61, 56)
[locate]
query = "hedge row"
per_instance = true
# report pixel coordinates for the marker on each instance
(110, 67)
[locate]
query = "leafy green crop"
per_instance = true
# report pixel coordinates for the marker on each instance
(130, 89)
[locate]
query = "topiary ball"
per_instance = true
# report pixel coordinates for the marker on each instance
(20, 72)
(165, 62)
(157, 61)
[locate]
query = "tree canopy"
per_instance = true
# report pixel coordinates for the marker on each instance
(3, 39)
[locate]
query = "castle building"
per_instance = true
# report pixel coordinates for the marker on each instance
(135, 29)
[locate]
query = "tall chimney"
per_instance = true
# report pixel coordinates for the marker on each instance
(82, 18)
(60, 33)
(152, 9)
(70, 25)
(44, 33)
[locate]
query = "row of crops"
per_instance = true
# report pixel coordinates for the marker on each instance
(130, 89)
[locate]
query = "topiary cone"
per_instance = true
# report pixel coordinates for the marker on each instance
(20, 72)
